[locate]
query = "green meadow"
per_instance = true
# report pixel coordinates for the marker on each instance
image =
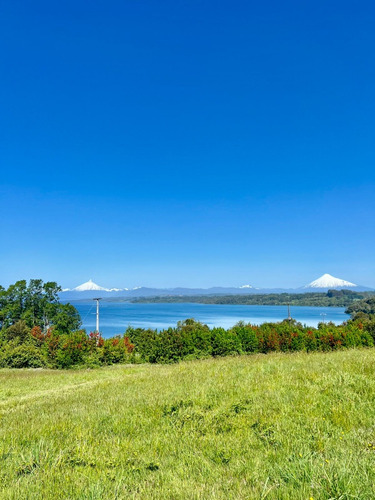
(275, 426)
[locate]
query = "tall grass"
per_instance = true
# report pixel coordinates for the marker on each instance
(280, 426)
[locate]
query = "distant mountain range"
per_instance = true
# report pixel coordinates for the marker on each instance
(91, 290)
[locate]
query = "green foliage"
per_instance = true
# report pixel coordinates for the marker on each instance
(22, 347)
(145, 342)
(37, 304)
(196, 338)
(18, 331)
(369, 327)
(189, 340)
(80, 349)
(115, 350)
(362, 308)
(169, 346)
(38, 330)
(248, 337)
(72, 349)
(66, 318)
(22, 356)
(192, 340)
(225, 342)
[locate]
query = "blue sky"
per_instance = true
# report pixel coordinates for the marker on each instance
(177, 143)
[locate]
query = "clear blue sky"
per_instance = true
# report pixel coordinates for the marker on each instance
(190, 143)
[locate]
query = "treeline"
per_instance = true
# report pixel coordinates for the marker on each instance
(37, 331)
(37, 304)
(23, 347)
(333, 298)
(363, 309)
(193, 340)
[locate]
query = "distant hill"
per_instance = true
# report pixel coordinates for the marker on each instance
(90, 290)
(332, 298)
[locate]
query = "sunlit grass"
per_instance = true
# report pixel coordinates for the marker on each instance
(280, 426)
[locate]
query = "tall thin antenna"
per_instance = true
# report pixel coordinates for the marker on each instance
(97, 313)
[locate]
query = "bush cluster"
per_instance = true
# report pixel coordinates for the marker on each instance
(193, 340)
(24, 347)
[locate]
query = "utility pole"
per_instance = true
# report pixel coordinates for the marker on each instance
(97, 313)
(289, 316)
(323, 315)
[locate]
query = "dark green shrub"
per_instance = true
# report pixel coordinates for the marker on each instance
(369, 326)
(115, 350)
(196, 338)
(22, 356)
(269, 339)
(248, 337)
(92, 360)
(145, 343)
(291, 338)
(225, 342)
(169, 346)
(71, 349)
(19, 331)
(311, 342)
(367, 339)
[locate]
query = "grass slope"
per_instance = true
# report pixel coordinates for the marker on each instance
(280, 426)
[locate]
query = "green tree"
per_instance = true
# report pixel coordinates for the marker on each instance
(37, 304)
(66, 318)
(365, 306)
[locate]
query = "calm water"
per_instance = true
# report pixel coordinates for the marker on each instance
(116, 316)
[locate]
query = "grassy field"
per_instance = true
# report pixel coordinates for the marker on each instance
(280, 426)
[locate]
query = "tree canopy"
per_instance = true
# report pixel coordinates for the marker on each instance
(37, 304)
(361, 308)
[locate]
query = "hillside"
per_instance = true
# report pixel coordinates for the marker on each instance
(332, 298)
(285, 426)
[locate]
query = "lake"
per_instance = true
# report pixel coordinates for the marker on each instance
(115, 317)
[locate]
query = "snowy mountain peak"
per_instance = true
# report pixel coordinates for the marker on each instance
(328, 281)
(246, 286)
(89, 285)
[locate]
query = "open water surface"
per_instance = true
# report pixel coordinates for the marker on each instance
(115, 317)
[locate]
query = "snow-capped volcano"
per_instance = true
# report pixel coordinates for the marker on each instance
(90, 290)
(90, 286)
(328, 281)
